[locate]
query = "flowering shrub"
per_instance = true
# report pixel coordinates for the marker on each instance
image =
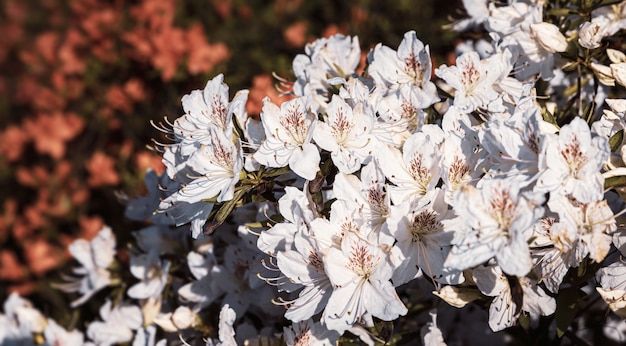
(479, 202)
(82, 78)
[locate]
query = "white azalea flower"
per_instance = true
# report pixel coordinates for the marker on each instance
(324, 59)
(304, 267)
(360, 273)
(581, 230)
(217, 164)
(474, 80)
(302, 261)
(20, 321)
(554, 250)
(309, 333)
(615, 329)
(400, 114)
(478, 13)
(506, 20)
(409, 65)
(57, 335)
(570, 163)
(346, 133)
(212, 171)
(431, 334)
(613, 276)
(457, 296)
(533, 56)
(288, 135)
(117, 324)
(204, 110)
(615, 299)
(204, 158)
(225, 327)
(513, 143)
(415, 171)
(204, 289)
(618, 71)
(521, 29)
(298, 213)
(494, 218)
(461, 154)
(152, 273)
(238, 276)
(511, 297)
(182, 213)
(611, 18)
(144, 208)
(369, 196)
(591, 223)
(422, 240)
(299, 256)
(604, 74)
(95, 257)
(612, 280)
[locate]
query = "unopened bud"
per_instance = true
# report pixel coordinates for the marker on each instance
(604, 74)
(457, 296)
(615, 55)
(183, 317)
(615, 300)
(617, 105)
(619, 73)
(589, 35)
(549, 37)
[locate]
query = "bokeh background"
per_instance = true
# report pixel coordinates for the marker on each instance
(81, 80)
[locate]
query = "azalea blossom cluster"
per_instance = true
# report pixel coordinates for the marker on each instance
(406, 193)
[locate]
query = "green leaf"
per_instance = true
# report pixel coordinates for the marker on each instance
(613, 182)
(276, 172)
(211, 200)
(566, 308)
(559, 12)
(609, 2)
(588, 112)
(237, 128)
(570, 66)
(582, 269)
(224, 210)
(549, 117)
(384, 329)
(570, 90)
(524, 321)
(616, 140)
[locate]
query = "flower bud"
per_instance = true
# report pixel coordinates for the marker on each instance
(615, 300)
(619, 73)
(617, 105)
(615, 55)
(589, 35)
(549, 37)
(183, 317)
(604, 74)
(457, 296)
